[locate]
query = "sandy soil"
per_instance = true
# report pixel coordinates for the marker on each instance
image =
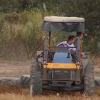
(97, 70)
(14, 69)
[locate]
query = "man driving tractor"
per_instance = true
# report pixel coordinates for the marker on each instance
(68, 43)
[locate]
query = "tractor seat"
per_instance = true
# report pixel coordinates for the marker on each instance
(61, 56)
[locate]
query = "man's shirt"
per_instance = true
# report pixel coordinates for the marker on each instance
(65, 44)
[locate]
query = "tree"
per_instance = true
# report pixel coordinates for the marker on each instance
(83, 8)
(9, 5)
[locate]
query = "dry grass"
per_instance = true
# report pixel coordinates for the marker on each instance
(23, 97)
(18, 93)
(13, 96)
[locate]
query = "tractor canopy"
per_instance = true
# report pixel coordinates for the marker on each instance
(68, 24)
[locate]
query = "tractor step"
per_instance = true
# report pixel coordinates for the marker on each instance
(74, 88)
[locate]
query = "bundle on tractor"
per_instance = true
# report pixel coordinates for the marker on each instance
(57, 70)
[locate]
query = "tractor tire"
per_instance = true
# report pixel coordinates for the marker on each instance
(35, 67)
(36, 83)
(89, 83)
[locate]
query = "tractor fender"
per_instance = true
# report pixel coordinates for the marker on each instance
(85, 59)
(40, 58)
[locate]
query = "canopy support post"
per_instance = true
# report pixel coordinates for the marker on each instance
(49, 37)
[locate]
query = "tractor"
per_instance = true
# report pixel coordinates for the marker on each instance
(56, 70)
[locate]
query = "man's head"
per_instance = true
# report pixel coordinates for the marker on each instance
(71, 39)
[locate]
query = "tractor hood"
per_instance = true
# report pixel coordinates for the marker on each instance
(69, 24)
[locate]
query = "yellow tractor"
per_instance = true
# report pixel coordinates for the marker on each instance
(57, 70)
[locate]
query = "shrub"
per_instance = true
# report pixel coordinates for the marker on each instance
(21, 35)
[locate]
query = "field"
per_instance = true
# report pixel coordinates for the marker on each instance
(16, 69)
(18, 93)
(21, 97)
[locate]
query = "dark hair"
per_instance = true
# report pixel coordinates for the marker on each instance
(71, 37)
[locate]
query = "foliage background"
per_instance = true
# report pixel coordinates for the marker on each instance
(20, 25)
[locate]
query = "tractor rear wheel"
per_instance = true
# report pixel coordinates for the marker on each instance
(36, 67)
(89, 83)
(36, 83)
